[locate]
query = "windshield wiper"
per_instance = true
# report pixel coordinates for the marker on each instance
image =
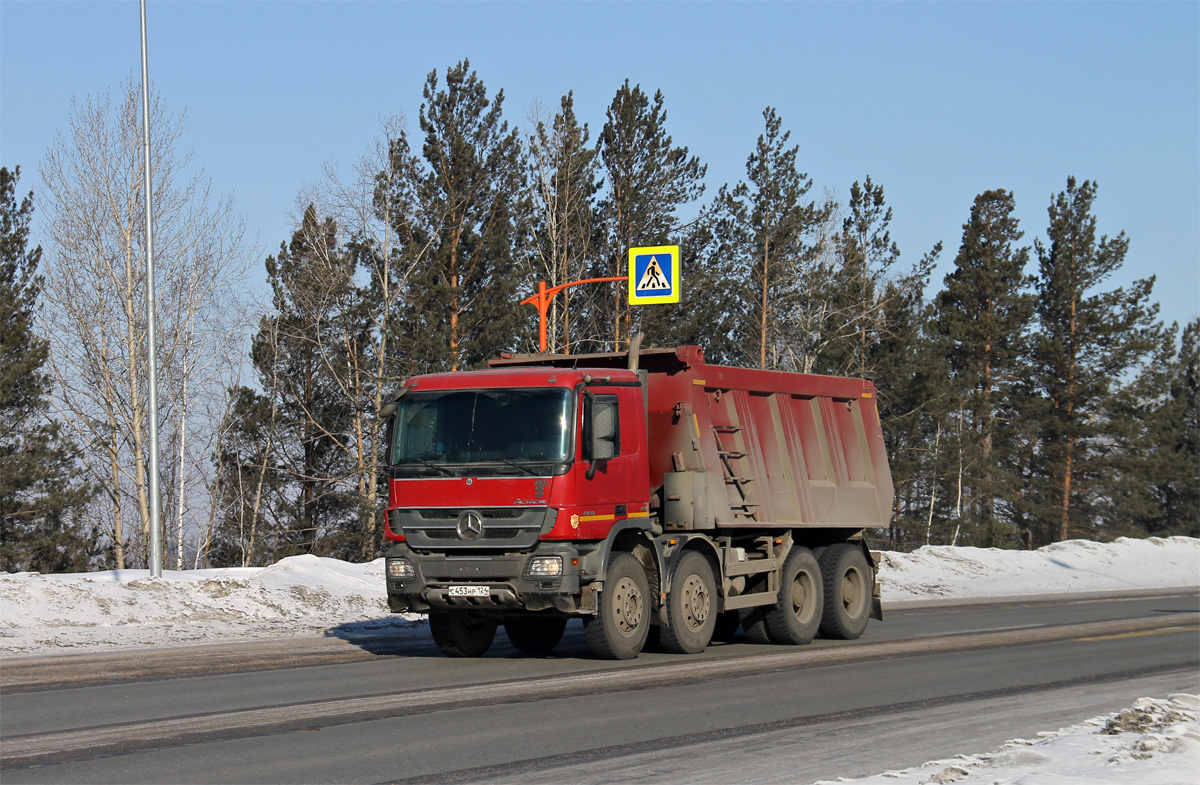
(520, 466)
(429, 463)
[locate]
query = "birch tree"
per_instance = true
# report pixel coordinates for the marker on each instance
(564, 183)
(95, 302)
(648, 180)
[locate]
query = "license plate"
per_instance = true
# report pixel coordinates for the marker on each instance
(469, 591)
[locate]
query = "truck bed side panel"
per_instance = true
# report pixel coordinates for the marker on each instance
(775, 448)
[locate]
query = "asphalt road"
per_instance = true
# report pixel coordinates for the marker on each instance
(926, 683)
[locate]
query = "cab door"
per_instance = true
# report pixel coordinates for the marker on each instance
(611, 475)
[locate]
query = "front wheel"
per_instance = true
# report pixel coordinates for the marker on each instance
(849, 585)
(691, 607)
(618, 630)
(462, 633)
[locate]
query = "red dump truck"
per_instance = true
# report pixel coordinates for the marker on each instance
(646, 493)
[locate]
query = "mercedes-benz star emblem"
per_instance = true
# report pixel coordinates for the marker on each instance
(470, 526)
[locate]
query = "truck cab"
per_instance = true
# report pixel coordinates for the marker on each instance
(506, 483)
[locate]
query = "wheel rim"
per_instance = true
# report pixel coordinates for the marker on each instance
(697, 604)
(853, 592)
(627, 606)
(803, 597)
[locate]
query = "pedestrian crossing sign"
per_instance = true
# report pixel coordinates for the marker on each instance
(654, 275)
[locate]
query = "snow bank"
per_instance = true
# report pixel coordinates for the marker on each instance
(308, 595)
(942, 571)
(300, 595)
(1155, 742)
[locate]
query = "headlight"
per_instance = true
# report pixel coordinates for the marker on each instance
(544, 567)
(400, 569)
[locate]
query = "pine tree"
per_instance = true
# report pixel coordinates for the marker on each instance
(909, 363)
(985, 310)
(1157, 454)
(856, 302)
(1089, 343)
(647, 180)
(298, 430)
(462, 304)
(42, 497)
(771, 237)
(1177, 487)
(709, 312)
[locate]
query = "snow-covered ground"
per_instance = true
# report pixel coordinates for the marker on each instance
(1157, 741)
(310, 595)
(1153, 742)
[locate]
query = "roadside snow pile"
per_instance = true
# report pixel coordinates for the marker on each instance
(300, 595)
(942, 571)
(309, 595)
(1156, 742)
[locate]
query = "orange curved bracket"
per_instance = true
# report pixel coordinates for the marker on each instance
(544, 296)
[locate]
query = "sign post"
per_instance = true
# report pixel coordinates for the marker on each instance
(544, 296)
(653, 277)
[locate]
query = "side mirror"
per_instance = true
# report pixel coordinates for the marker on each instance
(604, 431)
(602, 439)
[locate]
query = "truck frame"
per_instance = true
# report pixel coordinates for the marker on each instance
(645, 492)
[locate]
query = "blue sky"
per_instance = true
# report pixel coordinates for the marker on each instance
(936, 101)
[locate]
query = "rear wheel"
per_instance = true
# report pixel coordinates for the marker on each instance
(849, 583)
(462, 633)
(796, 616)
(535, 634)
(691, 607)
(618, 630)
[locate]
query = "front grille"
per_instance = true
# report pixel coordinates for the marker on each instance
(452, 534)
(488, 514)
(504, 528)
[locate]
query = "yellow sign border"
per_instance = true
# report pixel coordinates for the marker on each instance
(673, 297)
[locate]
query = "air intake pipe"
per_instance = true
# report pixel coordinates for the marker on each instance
(635, 346)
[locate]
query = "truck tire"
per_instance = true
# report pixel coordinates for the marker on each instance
(691, 606)
(796, 616)
(618, 630)
(849, 583)
(462, 633)
(535, 634)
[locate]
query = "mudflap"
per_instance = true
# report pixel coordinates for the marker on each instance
(873, 558)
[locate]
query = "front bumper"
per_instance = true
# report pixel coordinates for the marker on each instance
(509, 586)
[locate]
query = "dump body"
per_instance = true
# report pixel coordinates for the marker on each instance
(740, 448)
(661, 491)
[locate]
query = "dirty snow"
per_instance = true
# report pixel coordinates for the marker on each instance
(1154, 742)
(310, 595)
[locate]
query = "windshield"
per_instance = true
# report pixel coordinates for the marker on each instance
(512, 428)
